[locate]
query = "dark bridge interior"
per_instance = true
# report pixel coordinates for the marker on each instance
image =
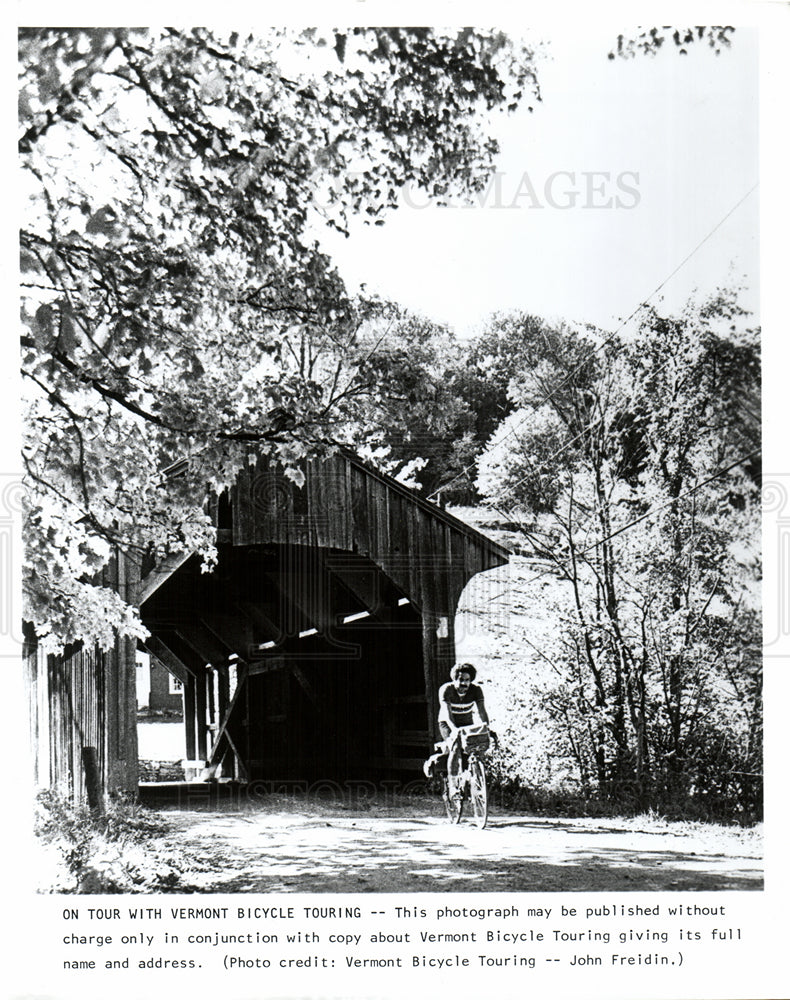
(306, 664)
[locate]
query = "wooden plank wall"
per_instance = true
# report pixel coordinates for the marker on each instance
(67, 712)
(87, 698)
(344, 505)
(84, 697)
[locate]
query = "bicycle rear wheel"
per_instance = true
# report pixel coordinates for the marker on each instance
(478, 792)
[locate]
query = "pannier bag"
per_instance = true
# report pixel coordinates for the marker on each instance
(476, 738)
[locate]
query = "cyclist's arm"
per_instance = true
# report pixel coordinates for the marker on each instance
(481, 708)
(446, 717)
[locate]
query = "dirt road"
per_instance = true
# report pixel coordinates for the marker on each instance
(270, 850)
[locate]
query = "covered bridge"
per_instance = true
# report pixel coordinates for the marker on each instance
(313, 651)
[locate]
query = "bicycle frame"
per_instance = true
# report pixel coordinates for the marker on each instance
(466, 775)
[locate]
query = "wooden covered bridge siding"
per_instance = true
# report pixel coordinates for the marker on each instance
(316, 648)
(85, 698)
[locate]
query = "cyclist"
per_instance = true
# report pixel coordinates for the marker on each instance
(459, 701)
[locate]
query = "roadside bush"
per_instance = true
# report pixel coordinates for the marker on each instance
(103, 853)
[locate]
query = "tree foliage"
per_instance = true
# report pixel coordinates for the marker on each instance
(464, 396)
(176, 305)
(635, 473)
(412, 412)
(650, 41)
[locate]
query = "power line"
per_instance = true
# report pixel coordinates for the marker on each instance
(681, 496)
(650, 513)
(556, 454)
(464, 472)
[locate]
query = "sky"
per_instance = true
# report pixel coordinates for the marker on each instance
(601, 192)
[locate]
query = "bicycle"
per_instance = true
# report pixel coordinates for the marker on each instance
(466, 774)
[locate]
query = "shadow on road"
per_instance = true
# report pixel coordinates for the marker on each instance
(289, 852)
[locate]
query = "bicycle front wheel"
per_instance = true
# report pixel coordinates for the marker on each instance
(453, 788)
(478, 792)
(452, 803)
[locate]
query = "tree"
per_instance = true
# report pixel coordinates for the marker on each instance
(512, 368)
(461, 398)
(176, 306)
(636, 471)
(412, 414)
(650, 41)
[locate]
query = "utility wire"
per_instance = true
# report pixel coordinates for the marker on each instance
(465, 472)
(681, 496)
(649, 513)
(511, 489)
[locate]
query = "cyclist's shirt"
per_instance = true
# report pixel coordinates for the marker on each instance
(460, 706)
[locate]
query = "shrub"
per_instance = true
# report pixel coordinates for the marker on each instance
(103, 853)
